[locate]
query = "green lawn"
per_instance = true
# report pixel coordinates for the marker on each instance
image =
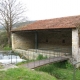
(61, 71)
(24, 74)
(56, 71)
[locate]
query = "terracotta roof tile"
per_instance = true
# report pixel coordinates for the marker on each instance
(64, 22)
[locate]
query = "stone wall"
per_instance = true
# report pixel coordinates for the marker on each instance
(33, 54)
(75, 45)
(22, 40)
(63, 38)
(55, 39)
(46, 39)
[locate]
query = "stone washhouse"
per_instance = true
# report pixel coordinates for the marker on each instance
(61, 33)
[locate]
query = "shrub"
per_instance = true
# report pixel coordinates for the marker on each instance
(40, 57)
(61, 70)
(69, 65)
(3, 39)
(7, 48)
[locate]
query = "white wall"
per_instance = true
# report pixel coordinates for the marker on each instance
(75, 45)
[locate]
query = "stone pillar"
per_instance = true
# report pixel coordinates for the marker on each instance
(75, 45)
(12, 37)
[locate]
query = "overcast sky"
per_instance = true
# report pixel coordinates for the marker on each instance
(46, 9)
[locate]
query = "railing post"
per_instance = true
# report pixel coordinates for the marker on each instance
(43, 55)
(16, 58)
(34, 58)
(39, 60)
(11, 58)
(28, 59)
(74, 71)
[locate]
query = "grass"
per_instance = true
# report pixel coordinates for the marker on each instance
(6, 48)
(40, 57)
(62, 71)
(21, 63)
(1, 66)
(24, 74)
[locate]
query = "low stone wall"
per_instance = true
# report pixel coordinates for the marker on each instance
(33, 53)
(27, 54)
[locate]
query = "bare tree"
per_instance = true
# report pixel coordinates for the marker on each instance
(11, 12)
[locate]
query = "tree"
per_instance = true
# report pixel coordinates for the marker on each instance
(11, 12)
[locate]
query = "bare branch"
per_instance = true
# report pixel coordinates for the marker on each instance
(10, 13)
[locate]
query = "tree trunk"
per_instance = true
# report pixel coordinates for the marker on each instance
(9, 38)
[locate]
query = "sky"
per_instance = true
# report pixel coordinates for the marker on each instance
(47, 9)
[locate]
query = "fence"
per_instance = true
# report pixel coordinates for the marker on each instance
(33, 54)
(74, 70)
(7, 57)
(40, 54)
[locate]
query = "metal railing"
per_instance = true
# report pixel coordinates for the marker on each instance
(8, 57)
(74, 69)
(45, 54)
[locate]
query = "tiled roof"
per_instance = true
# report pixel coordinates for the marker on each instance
(57, 23)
